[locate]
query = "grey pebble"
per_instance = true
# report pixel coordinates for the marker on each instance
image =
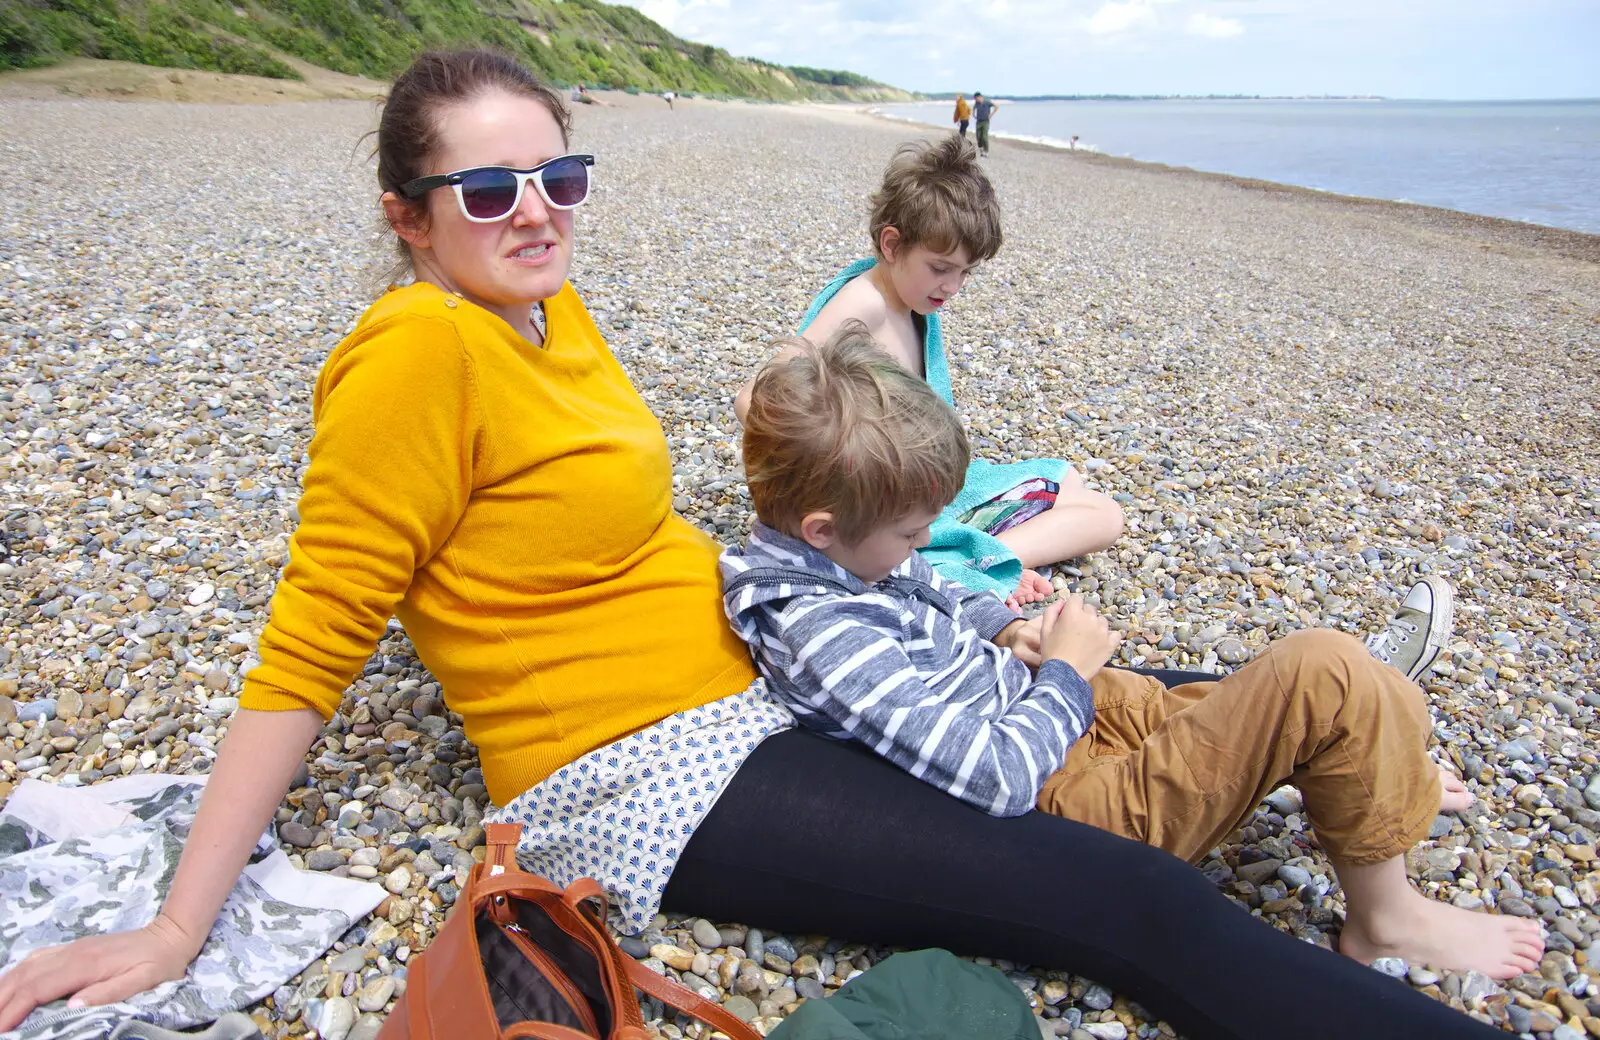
(33, 711)
(324, 859)
(742, 1008)
(350, 960)
(706, 934)
(780, 947)
(1256, 873)
(297, 834)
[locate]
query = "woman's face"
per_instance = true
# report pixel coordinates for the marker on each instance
(507, 265)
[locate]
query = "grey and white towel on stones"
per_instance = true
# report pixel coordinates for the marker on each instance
(79, 861)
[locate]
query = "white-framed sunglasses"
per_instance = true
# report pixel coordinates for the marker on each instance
(490, 193)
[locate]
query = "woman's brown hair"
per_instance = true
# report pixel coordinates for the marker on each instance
(408, 130)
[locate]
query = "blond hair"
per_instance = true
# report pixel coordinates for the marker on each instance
(843, 428)
(935, 193)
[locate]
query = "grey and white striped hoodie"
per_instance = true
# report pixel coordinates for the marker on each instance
(906, 667)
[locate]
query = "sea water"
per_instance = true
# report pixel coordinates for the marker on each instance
(1536, 161)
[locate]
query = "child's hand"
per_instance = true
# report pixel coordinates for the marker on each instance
(1074, 633)
(1022, 639)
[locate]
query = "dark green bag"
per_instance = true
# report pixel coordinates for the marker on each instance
(925, 995)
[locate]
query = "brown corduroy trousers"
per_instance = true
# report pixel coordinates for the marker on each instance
(1181, 767)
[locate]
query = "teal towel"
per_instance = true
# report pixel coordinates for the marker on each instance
(960, 553)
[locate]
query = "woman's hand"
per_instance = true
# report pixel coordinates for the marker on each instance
(248, 780)
(102, 969)
(1022, 639)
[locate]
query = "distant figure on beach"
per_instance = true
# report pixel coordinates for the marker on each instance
(580, 94)
(1074, 142)
(934, 218)
(669, 97)
(982, 112)
(963, 114)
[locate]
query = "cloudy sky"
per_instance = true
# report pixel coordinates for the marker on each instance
(1396, 48)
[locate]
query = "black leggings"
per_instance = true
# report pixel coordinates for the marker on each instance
(816, 836)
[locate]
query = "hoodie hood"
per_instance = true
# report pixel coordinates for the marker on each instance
(773, 568)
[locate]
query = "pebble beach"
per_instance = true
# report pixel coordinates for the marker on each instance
(1302, 401)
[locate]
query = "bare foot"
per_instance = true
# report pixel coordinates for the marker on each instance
(1423, 931)
(1033, 588)
(1453, 794)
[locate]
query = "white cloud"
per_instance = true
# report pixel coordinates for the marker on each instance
(1419, 48)
(1113, 18)
(1217, 28)
(663, 12)
(670, 13)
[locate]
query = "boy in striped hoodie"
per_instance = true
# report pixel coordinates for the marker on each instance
(853, 629)
(849, 458)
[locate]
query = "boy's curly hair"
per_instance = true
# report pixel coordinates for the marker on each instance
(935, 193)
(843, 428)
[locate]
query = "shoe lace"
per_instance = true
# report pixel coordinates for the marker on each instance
(1396, 634)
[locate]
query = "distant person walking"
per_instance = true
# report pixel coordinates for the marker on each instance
(982, 111)
(963, 114)
(669, 97)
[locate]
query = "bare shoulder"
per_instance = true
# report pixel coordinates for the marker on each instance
(859, 300)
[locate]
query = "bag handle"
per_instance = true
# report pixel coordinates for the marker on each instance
(584, 889)
(500, 875)
(674, 995)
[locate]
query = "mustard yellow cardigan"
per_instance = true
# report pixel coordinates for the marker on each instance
(512, 506)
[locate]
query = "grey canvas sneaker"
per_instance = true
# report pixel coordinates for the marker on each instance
(1418, 631)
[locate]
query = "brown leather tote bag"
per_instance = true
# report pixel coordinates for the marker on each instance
(519, 957)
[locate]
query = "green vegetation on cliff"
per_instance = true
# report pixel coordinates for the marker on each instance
(567, 41)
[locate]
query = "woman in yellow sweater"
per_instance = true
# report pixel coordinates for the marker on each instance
(483, 470)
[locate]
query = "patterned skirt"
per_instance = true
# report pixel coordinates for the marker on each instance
(622, 813)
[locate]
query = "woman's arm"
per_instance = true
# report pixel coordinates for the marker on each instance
(390, 475)
(247, 782)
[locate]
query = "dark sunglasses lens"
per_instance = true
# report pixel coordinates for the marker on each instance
(566, 181)
(489, 193)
